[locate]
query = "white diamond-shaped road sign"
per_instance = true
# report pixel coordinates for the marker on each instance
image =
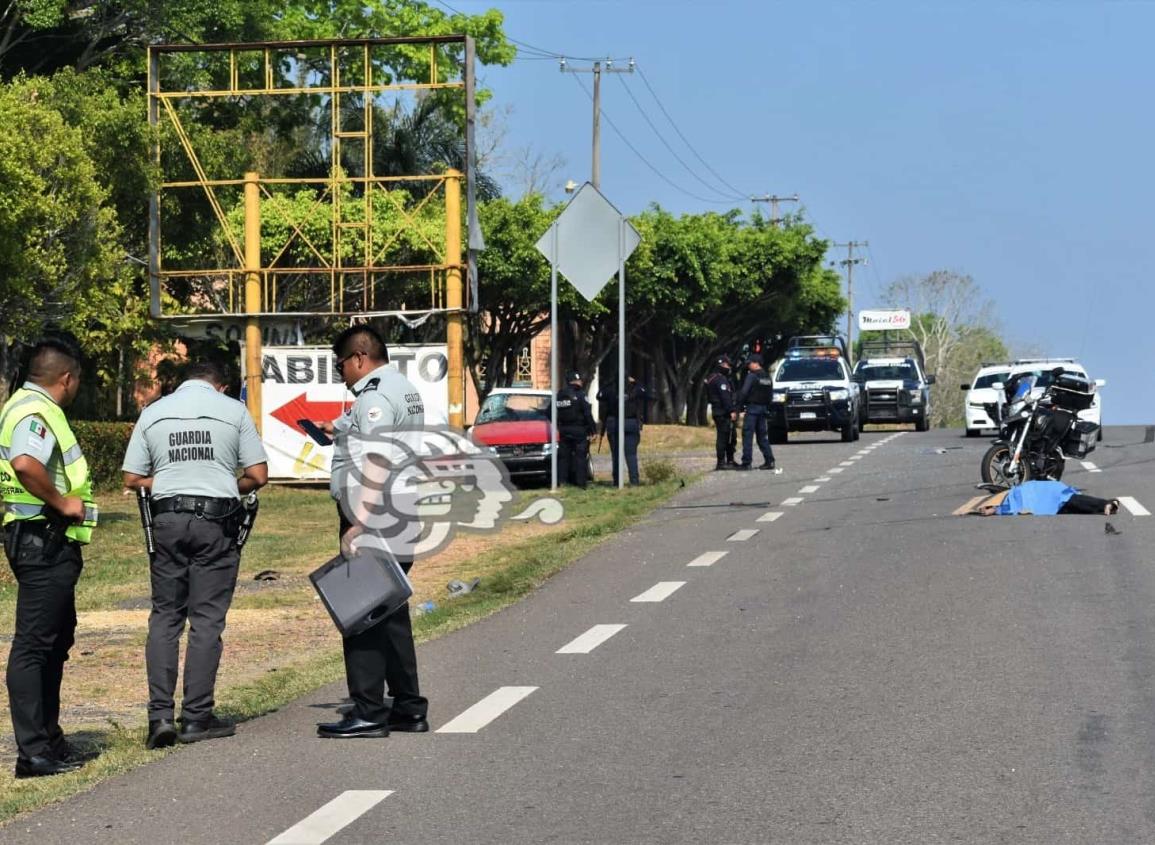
(587, 241)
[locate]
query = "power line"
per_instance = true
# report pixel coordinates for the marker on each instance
(685, 141)
(642, 158)
(666, 144)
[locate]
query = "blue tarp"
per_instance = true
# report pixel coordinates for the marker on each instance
(1041, 498)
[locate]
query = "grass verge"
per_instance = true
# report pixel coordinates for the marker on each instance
(509, 571)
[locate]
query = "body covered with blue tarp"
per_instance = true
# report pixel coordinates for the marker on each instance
(1041, 498)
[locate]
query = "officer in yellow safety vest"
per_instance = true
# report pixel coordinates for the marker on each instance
(48, 515)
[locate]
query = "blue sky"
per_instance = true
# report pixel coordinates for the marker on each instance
(1010, 141)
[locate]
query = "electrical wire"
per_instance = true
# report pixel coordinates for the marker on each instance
(641, 157)
(729, 197)
(685, 141)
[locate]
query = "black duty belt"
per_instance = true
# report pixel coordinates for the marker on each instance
(199, 505)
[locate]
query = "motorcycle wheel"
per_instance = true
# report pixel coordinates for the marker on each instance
(994, 467)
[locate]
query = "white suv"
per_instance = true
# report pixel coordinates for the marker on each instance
(980, 393)
(1042, 367)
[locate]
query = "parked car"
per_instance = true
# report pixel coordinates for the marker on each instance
(1042, 369)
(513, 423)
(980, 394)
(895, 383)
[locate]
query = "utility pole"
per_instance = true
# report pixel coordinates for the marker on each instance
(597, 69)
(774, 199)
(848, 262)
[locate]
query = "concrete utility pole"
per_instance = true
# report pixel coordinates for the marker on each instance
(774, 199)
(597, 69)
(848, 262)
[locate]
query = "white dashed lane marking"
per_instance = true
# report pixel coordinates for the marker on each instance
(809, 488)
(742, 536)
(846, 464)
(792, 501)
(822, 480)
(590, 640)
(707, 559)
(330, 819)
(486, 710)
(770, 516)
(1090, 467)
(659, 592)
(836, 471)
(1132, 505)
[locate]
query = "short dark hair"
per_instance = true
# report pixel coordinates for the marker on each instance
(51, 357)
(209, 371)
(364, 339)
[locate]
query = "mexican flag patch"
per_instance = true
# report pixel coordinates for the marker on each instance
(39, 429)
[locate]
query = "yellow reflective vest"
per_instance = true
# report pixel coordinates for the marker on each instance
(19, 504)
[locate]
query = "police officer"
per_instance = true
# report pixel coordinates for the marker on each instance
(49, 514)
(185, 449)
(720, 391)
(754, 399)
(383, 655)
(575, 427)
(635, 417)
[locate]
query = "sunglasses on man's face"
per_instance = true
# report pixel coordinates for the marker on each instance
(340, 364)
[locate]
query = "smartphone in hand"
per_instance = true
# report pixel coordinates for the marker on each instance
(314, 431)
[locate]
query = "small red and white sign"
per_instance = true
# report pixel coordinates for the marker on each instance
(883, 320)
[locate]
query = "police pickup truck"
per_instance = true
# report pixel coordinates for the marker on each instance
(814, 391)
(894, 383)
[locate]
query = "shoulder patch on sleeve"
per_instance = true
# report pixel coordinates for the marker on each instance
(38, 428)
(374, 414)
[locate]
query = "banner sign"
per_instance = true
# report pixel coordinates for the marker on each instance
(301, 383)
(883, 320)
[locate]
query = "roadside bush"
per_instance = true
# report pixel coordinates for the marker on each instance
(104, 445)
(655, 472)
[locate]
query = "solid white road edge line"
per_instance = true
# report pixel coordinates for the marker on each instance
(590, 640)
(485, 711)
(770, 516)
(660, 591)
(1130, 503)
(742, 536)
(337, 814)
(707, 559)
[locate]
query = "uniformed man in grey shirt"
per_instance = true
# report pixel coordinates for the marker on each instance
(371, 439)
(186, 449)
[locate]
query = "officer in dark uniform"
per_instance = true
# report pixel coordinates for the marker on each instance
(754, 399)
(635, 418)
(575, 426)
(48, 517)
(720, 391)
(186, 449)
(389, 407)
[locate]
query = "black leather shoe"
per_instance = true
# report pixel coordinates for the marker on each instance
(743, 467)
(39, 767)
(352, 727)
(768, 465)
(210, 728)
(161, 734)
(408, 724)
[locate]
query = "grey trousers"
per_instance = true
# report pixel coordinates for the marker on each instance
(194, 573)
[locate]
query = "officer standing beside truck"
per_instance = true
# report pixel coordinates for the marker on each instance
(48, 515)
(185, 449)
(754, 400)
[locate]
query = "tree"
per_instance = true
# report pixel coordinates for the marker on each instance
(59, 244)
(956, 327)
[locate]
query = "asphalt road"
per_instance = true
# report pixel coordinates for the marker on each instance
(866, 667)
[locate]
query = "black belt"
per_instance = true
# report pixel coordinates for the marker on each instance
(199, 505)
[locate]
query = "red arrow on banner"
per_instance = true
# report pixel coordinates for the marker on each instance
(302, 408)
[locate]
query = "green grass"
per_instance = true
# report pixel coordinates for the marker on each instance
(295, 532)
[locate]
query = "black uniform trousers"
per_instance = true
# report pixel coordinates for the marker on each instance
(45, 632)
(384, 658)
(633, 437)
(723, 443)
(194, 574)
(573, 452)
(754, 425)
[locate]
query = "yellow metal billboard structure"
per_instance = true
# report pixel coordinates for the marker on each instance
(344, 242)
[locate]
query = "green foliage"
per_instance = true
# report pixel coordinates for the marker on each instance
(104, 445)
(659, 472)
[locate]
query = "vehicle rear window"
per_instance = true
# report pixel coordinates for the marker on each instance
(990, 379)
(887, 372)
(513, 407)
(809, 369)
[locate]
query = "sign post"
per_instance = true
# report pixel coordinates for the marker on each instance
(588, 243)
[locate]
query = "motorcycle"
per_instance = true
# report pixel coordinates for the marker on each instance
(1037, 433)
